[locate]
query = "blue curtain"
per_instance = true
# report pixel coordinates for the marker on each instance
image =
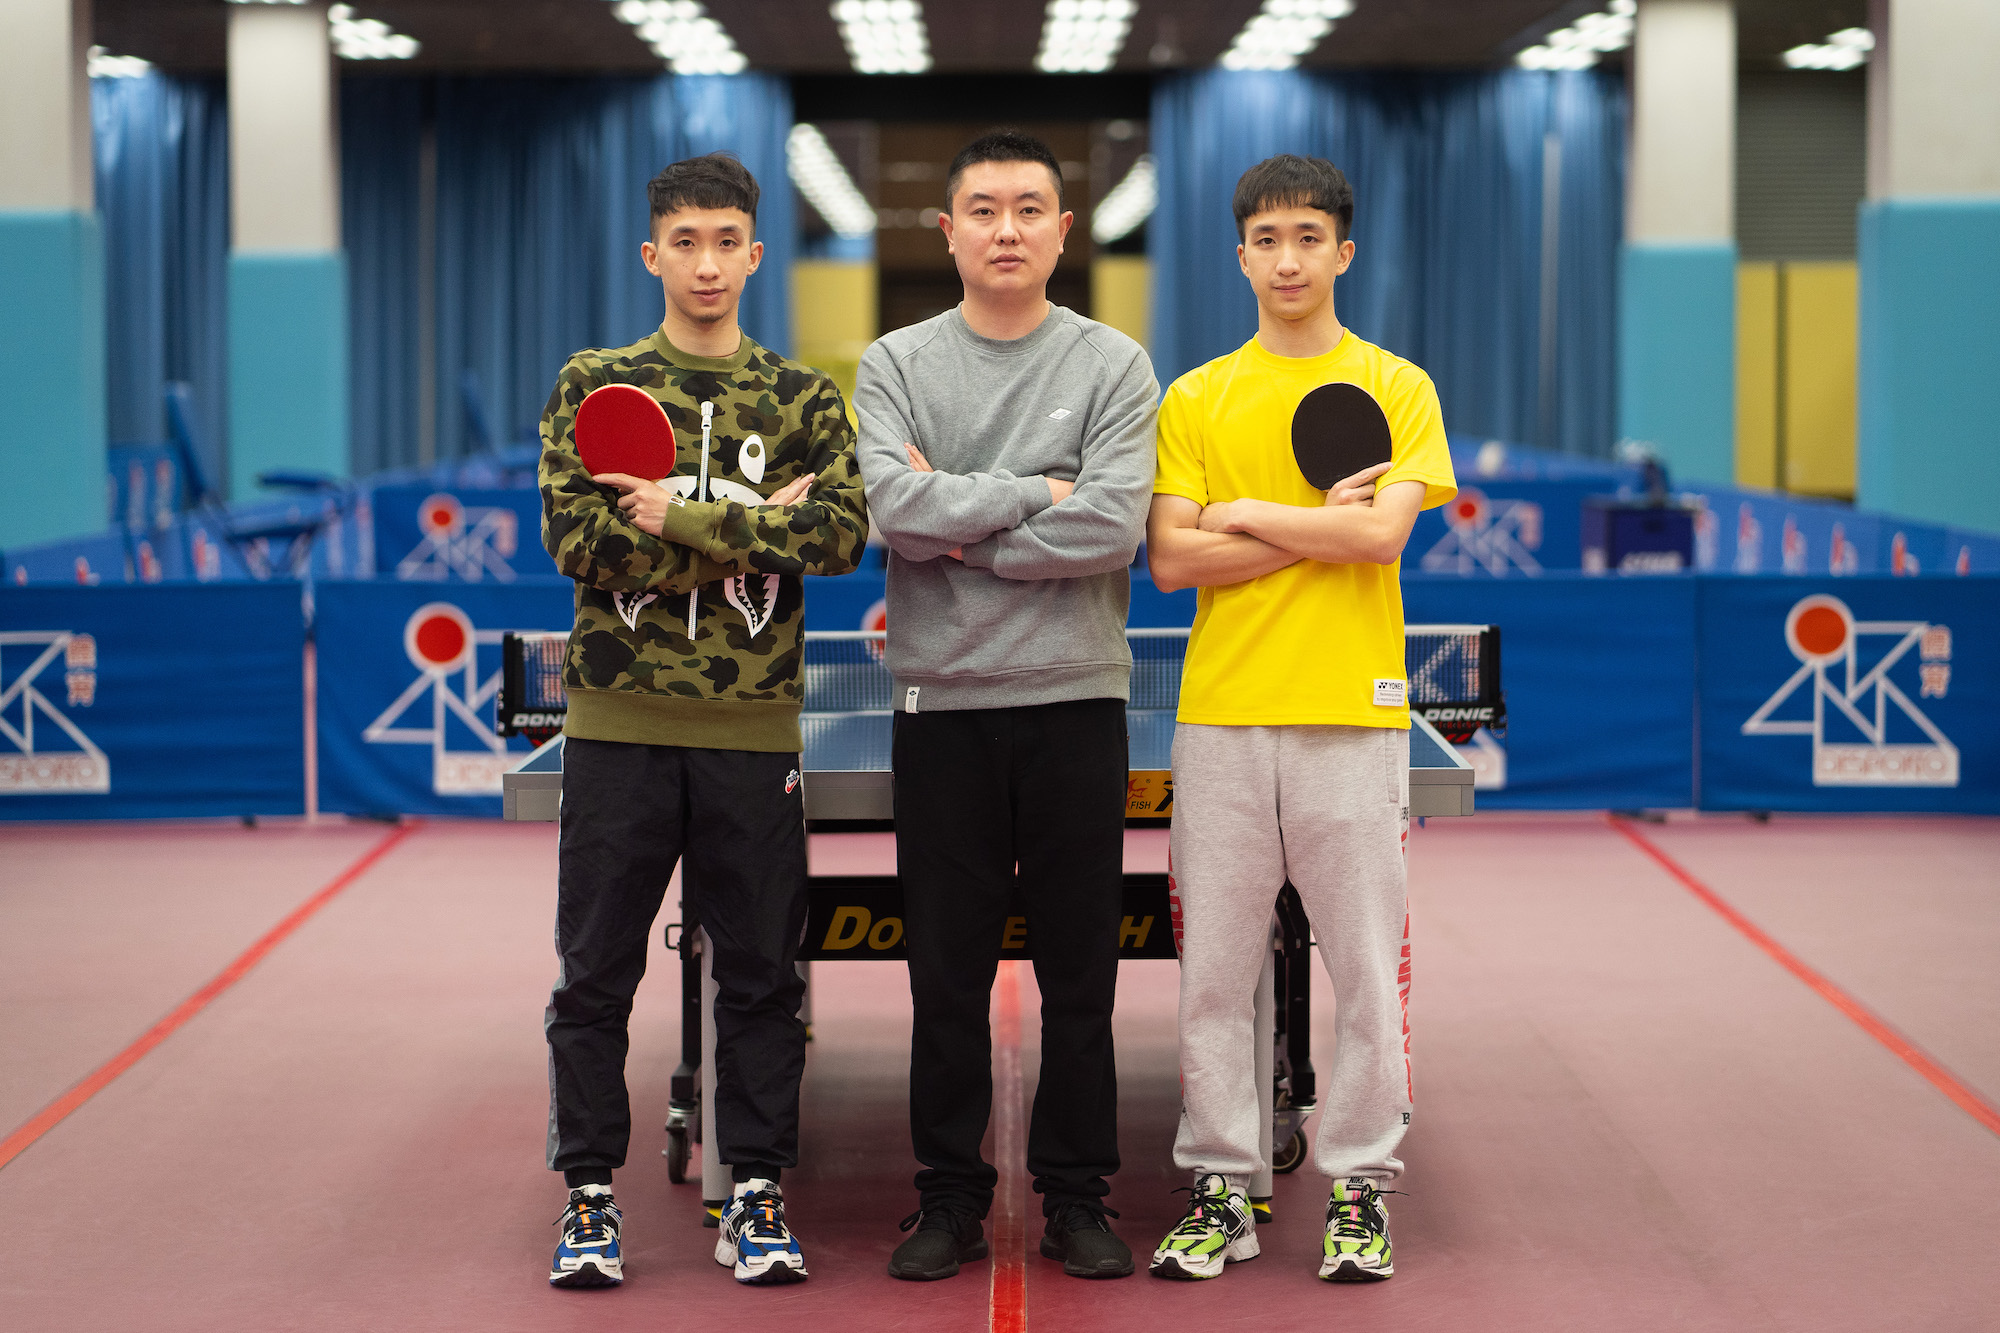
(1448, 180)
(750, 116)
(381, 184)
(162, 149)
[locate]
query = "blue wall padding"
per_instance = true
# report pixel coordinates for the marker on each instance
(381, 748)
(52, 360)
(1930, 643)
(176, 701)
(1930, 334)
(287, 365)
(1677, 355)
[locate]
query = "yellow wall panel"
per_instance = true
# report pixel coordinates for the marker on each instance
(1757, 375)
(834, 317)
(1121, 294)
(1822, 342)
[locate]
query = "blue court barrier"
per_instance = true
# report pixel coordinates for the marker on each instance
(1872, 693)
(136, 702)
(429, 534)
(407, 678)
(1599, 676)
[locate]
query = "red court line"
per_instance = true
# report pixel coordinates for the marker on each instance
(53, 1114)
(1010, 1261)
(1968, 1099)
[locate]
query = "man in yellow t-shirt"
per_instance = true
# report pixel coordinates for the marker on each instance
(1291, 754)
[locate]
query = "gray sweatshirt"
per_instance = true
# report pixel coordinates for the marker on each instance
(1035, 611)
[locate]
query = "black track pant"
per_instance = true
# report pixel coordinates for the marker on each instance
(979, 791)
(629, 812)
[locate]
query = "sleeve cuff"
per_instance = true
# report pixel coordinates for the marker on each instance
(980, 554)
(686, 525)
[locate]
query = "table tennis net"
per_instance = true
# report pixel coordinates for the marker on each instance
(1454, 675)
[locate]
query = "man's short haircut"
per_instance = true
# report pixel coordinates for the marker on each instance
(1291, 181)
(715, 181)
(1002, 146)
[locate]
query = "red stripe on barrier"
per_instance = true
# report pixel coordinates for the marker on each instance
(1010, 1264)
(1967, 1098)
(54, 1113)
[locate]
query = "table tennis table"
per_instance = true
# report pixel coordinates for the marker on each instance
(846, 726)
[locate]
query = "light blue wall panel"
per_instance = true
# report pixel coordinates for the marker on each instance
(1930, 360)
(52, 362)
(287, 366)
(1677, 355)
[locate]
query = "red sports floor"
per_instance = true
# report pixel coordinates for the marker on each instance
(1632, 1113)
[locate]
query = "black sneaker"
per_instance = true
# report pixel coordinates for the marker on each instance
(946, 1237)
(1078, 1235)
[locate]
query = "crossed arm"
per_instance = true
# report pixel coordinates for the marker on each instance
(1192, 546)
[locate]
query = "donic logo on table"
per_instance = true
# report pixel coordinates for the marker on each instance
(448, 699)
(42, 749)
(1855, 678)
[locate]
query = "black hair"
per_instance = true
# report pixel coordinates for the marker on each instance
(714, 181)
(1002, 146)
(1291, 181)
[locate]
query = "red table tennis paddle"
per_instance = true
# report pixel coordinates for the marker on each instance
(1337, 431)
(622, 428)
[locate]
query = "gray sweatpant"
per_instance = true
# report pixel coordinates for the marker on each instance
(1328, 808)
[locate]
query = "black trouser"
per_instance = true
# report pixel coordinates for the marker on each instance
(979, 792)
(629, 812)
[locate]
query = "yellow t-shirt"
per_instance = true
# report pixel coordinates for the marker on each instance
(1311, 643)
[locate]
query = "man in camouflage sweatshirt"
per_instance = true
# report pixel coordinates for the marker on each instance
(682, 746)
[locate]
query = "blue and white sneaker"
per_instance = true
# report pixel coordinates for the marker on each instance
(755, 1240)
(587, 1255)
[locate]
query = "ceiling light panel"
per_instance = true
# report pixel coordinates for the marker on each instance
(681, 33)
(1084, 36)
(1843, 50)
(1584, 42)
(366, 39)
(1282, 32)
(1131, 201)
(884, 36)
(817, 172)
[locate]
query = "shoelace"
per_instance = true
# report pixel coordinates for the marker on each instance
(1351, 1225)
(1204, 1211)
(765, 1212)
(1079, 1216)
(587, 1221)
(954, 1220)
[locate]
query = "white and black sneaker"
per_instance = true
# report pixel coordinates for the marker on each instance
(755, 1240)
(1217, 1230)
(587, 1255)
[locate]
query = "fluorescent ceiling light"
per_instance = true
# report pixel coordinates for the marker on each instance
(366, 39)
(817, 171)
(1282, 31)
(1084, 36)
(683, 35)
(1130, 203)
(1843, 50)
(103, 65)
(1584, 42)
(884, 36)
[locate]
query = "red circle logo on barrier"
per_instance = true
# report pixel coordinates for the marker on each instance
(438, 637)
(1819, 628)
(441, 515)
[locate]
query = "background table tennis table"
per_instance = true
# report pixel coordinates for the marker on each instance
(846, 727)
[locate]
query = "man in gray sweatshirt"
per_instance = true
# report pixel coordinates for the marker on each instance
(1007, 454)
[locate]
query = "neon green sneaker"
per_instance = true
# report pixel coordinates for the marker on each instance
(1357, 1233)
(1217, 1230)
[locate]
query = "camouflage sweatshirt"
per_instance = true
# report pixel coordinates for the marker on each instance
(632, 672)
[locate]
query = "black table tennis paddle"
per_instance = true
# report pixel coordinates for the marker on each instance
(1337, 431)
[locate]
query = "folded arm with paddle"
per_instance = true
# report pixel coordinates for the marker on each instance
(1341, 441)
